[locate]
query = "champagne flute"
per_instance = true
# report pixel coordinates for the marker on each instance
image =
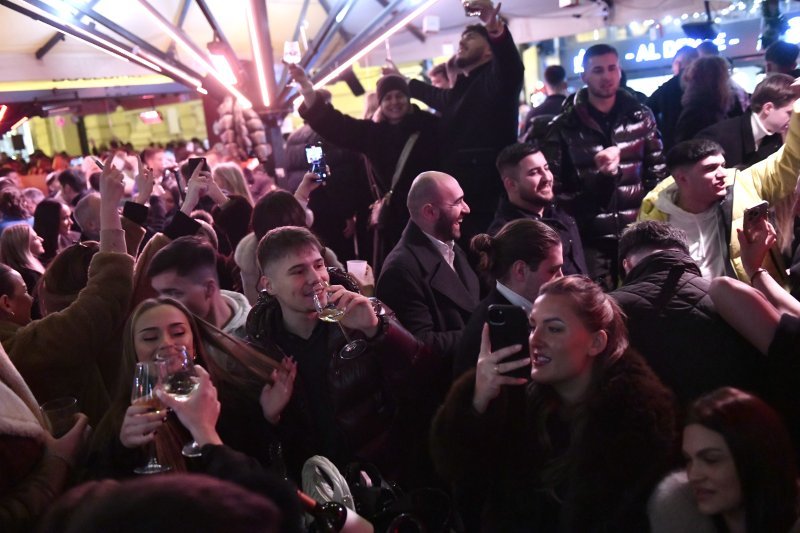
(331, 313)
(146, 379)
(181, 382)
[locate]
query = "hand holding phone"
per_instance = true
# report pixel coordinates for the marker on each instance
(508, 325)
(316, 160)
(754, 219)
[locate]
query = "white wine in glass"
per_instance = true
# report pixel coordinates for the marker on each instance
(181, 381)
(146, 379)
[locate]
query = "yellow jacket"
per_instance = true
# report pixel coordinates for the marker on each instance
(772, 179)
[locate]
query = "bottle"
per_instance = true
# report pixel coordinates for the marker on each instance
(329, 517)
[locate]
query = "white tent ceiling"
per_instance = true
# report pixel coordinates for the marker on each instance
(530, 20)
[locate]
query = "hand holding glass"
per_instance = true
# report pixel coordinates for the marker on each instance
(181, 382)
(146, 379)
(331, 313)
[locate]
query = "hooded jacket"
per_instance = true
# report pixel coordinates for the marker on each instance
(603, 205)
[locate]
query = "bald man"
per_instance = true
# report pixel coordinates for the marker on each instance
(426, 278)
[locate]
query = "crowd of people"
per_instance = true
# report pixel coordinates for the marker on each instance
(650, 385)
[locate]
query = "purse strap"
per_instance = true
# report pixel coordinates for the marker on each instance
(401, 162)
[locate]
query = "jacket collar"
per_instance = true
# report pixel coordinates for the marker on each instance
(662, 261)
(460, 286)
(508, 212)
(625, 104)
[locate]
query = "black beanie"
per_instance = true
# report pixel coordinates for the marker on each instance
(392, 82)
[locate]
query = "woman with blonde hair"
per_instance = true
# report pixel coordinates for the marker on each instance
(231, 180)
(20, 248)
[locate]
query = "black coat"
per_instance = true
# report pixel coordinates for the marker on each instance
(550, 107)
(665, 103)
(735, 135)
(672, 322)
(466, 356)
(624, 449)
(604, 205)
(382, 143)
(480, 116)
(556, 218)
(430, 299)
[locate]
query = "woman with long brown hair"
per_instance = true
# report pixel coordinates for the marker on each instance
(707, 96)
(580, 448)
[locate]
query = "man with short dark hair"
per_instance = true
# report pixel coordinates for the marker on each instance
(605, 153)
(708, 201)
(665, 102)
(555, 89)
(480, 114)
(529, 186)
(781, 58)
(752, 137)
(186, 269)
(73, 186)
(330, 403)
(672, 321)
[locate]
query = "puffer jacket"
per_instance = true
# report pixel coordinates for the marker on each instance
(367, 393)
(603, 205)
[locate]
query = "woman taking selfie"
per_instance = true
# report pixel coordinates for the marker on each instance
(740, 472)
(581, 447)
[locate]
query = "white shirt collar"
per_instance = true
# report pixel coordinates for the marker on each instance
(514, 298)
(447, 249)
(759, 131)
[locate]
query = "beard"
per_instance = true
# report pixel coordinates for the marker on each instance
(445, 229)
(536, 199)
(469, 60)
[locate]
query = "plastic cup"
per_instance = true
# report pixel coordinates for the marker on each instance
(358, 269)
(59, 415)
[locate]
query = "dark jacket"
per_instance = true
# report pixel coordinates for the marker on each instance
(466, 356)
(735, 135)
(365, 394)
(665, 103)
(345, 194)
(382, 143)
(604, 205)
(624, 449)
(672, 322)
(431, 300)
(556, 218)
(480, 116)
(551, 106)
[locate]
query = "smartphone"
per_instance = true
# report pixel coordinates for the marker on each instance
(315, 158)
(99, 164)
(753, 216)
(508, 325)
(470, 11)
(193, 163)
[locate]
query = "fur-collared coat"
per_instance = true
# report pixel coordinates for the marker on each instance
(624, 448)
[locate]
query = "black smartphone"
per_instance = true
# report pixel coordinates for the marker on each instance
(753, 216)
(315, 158)
(193, 163)
(508, 325)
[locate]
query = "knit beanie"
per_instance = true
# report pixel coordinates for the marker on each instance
(392, 82)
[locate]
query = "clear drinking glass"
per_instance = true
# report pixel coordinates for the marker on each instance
(146, 380)
(181, 382)
(331, 313)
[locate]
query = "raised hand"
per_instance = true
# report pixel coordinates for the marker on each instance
(200, 411)
(112, 187)
(275, 395)
(144, 181)
(607, 160)
(489, 378)
(389, 68)
(755, 246)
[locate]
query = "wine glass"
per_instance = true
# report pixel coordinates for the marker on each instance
(146, 379)
(331, 313)
(291, 52)
(181, 382)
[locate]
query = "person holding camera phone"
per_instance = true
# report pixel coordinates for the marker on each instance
(582, 446)
(708, 201)
(398, 147)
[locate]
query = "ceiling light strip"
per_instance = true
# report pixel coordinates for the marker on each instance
(258, 53)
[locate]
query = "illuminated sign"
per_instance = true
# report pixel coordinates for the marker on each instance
(792, 35)
(649, 52)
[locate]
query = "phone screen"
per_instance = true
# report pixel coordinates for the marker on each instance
(313, 154)
(193, 162)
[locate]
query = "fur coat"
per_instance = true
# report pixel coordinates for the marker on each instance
(611, 465)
